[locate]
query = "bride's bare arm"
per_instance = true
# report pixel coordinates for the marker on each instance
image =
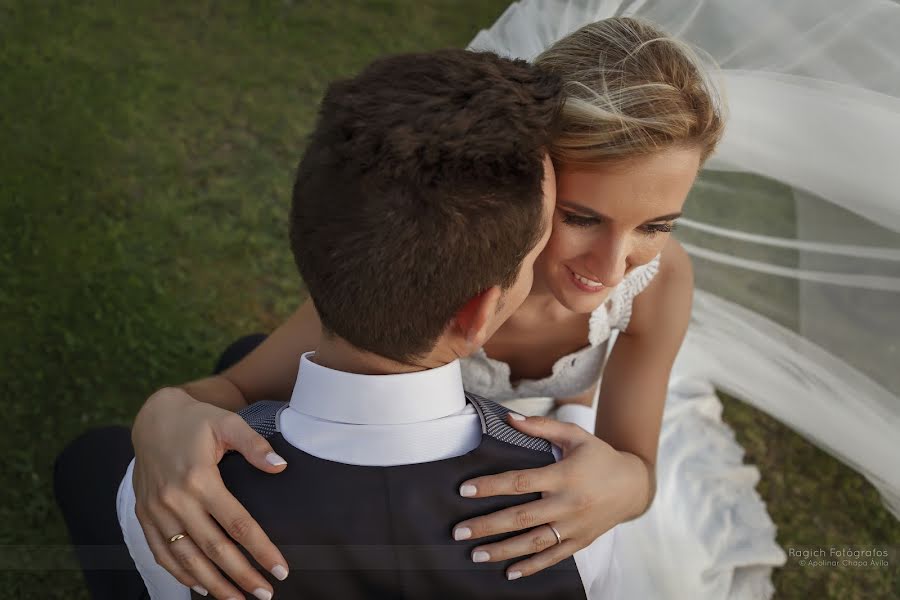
(267, 373)
(636, 377)
(179, 437)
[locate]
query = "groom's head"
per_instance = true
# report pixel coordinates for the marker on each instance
(423, 198)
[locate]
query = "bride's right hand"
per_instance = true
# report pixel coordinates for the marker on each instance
(178, 443)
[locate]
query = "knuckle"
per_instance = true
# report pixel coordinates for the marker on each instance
(233, 423)
(538, 543)
(168, 496)
(231, 420)
(194, 479)
(522, 482)
(239, 528)
(524, 519)
(582, 501)
(214, 549)
(540, 421)
(186, 559)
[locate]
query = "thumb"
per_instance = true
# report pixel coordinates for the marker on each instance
(564, 435)
(240, 437)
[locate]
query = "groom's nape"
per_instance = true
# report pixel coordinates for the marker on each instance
(425, 186)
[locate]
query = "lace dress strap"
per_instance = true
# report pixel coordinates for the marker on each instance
(615, 313)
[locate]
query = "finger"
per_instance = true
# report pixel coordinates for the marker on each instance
(514, 483)
(564, 435)
(159, 549)
(235, 434)
(243, 528)
(514, 518)
(188, 556)
(542, 560)
(532, 542)
(209, 538)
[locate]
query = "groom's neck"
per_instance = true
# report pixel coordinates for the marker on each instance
(338, 354)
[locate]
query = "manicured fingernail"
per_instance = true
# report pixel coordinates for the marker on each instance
(517, 417)
(513, 575)
(280, 572)
(275, 460)
(262, 594)
(480, 556)
(200, 590)
(462, 533)
(467, 490)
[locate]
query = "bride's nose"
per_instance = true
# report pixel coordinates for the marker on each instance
(608, 260)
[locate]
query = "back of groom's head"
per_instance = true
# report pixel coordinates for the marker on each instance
(420, 188)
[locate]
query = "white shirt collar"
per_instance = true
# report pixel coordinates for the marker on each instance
(343, 397)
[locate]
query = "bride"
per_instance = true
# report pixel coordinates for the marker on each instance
(641, 119)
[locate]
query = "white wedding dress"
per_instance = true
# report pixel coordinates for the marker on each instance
(794, 229)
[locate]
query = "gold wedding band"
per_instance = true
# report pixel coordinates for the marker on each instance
(178, 536)
(556, 533)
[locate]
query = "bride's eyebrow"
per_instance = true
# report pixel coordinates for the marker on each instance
(590, 211)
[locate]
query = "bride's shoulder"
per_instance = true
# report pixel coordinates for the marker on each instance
(675, 264)
(668, 296)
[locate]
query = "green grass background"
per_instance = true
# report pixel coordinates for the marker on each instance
(146, 158)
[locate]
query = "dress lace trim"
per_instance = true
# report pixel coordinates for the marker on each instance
(615, 313)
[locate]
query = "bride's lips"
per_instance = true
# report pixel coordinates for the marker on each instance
(582, 286)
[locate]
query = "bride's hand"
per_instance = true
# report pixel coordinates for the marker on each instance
(590, 490)
(178, 444)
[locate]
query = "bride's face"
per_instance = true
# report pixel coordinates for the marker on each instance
(610, 220)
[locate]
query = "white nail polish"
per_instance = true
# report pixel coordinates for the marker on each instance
(517, 417)
(200, 590)
(480, 556)
(280, 572)
(467, 490)
(275, 460)
(262, 594)
(462, 533)
(513, 575)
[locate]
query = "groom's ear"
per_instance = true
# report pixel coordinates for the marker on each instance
(474, 322)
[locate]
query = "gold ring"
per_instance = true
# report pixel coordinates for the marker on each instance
(178, 536)
(556, 533)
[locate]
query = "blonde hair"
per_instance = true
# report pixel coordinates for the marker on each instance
(631, 90)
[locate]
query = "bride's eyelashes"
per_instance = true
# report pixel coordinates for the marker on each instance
(582, 221)
(578, 220)
(654, 228)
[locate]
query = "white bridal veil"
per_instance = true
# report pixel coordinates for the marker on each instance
(794, 224)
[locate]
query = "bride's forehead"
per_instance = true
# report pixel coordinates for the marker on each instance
(664, 177)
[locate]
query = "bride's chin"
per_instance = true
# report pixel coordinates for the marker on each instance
(575, 302)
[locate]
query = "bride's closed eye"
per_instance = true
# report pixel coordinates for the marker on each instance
(649, 229)
(654, 228)
(579, 220)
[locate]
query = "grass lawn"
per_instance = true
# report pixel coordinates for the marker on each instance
(145, 168)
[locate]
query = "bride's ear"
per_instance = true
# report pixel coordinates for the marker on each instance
(474, 322)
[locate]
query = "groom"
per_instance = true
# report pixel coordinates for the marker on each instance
(423, 198)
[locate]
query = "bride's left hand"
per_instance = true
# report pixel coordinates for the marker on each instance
(590, 490)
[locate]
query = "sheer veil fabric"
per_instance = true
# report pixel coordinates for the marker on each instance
(794, 231)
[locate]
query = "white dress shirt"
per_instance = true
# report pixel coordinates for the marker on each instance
(376, 420)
